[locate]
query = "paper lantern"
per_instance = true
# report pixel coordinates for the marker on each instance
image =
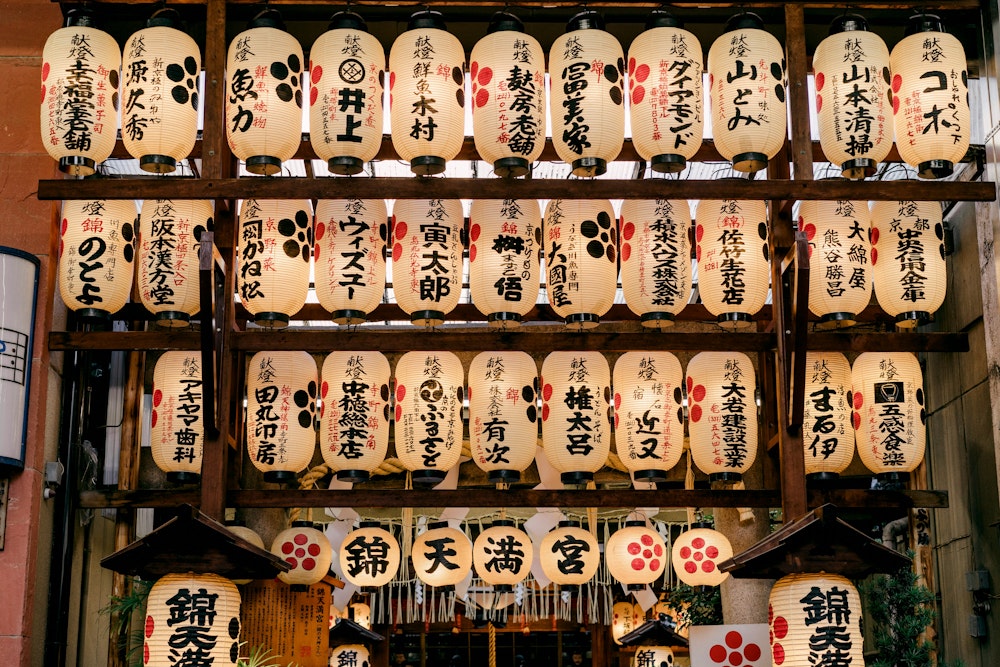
(19, 272)
(502, 555)
(888, 392)
(281, 409)
(625, 617)
(576, 389)
(177, 426)
(96, 254)
(276, 237)
(853, 98)
(656, 259)
(427, 94)
(636, 555)
(659, 656)
(911, 280)
(649, 413)
(369, 556)
(505, 243)
(508, 96)
(722, 414)
(587, 106)
(79, 109)
(503, 428)
(264, 94)
(569, 555)
(189, 614)
(696, 555)
(674, 612)
(840, 282)
(806, 611)
(360, 613)
(429, 394)
(349, 257)
(746, 74)
(665, 88)
(827, 432)
(354, 420)
(930, 104)
(581, 249)
(734, 271)
(247, 535)
(427, 258)
(307, 550)
(350, 655)
(160, 72)
(167, 274)
(442, 555)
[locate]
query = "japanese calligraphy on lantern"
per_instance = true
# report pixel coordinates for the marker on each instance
(354, 420)
(177, 430)
(192, 619)
(569, 554)
(502, 555)
(369, 555)
(814, 619)
(504, 246)
(350, 257)
(442, 555)
(828, 436)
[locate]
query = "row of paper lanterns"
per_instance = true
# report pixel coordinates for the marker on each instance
(864, 95)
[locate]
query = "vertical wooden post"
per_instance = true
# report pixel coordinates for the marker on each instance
(797, 92)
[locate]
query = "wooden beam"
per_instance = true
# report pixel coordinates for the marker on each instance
(215, 150)
(797, 92)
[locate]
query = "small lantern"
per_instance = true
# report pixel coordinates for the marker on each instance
(281, 411)
(625, 617)
(660, 656)
(734, 271)
(911, 280)
(587, 105)
(503, 426)
(722, 414)
(636, 555)
(19, 271)
(508, 96)
(307, 550)
(805, 611)
(349, 257)
(581, 252)
(930, 104)
(354, 420)
(569, 555)
(505, 242)
(96, 255)
(502, 555)
(746, 74)
(360, 613)
(827, 431)
(347, 72)
(177, 426)
(441, 555)
(656, 259)
(853, 98)
(429, 395)
(264, 94)
(369, 556)
(247, 535)
(79, 109)
(427, 258)
(192, 613)
(276, 238)
(673, 611)
(696, 555)
(576, 389)
(427, 94)
(350, 655)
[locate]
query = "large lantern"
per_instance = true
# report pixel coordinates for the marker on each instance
(281, 407)
(350, 257)
(177, 427)
(79, 110)
(930, 104)
(636, 555)
(587, 106)
(369, 556)
(442, 555)
(853, 99)
(427, 94)
(350, 655)
(581, 249)
(805, 610)
(264, 94)
(626, 616)
(696, 555)
(828, 435)
(354, 421)
(576, 388)
(307, 550)
(502, 555)
(656, 259)
(746, 74)
(722, 414)
(427, 258)
(276, 237)
(429, 394)
(569, 555)
(96, 255)
(665, 82)
(192, 613)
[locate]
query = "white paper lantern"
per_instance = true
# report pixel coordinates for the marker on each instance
(660, 656)
(696, 555)
(827, 432)
(349, 257)
(307, 550)
(369, 556)
(350, 655)
(247, 535)
(805, 611)
(569, 555)
(636, 555)
(502, 555)
(360, 613)
(192, 614)
(177, 426)
(441, 555)
(626, 616)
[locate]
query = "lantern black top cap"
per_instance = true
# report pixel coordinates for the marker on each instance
(660, 18)
(302, 523)
(744, 21)
(347, 20)
(634, 523)
(81, 17)
(165, 17)
(434, 525)
(503, 522)
(701, 524)
(569, 523)
(427, 18)
(585, 20)
(504, 21)
(268, 18)
(923, 23)
(848, 23)
(369, 524)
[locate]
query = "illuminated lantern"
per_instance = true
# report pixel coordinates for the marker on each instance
(505, 242)
(888, 392)
(853, 98)
(502, 555)
(746, 74)
(264, 94)
(636, 555)
(930, 104)
(247, 535)
(427, 258)
(576, 389)
(360, 613)
(350, 257)
(911, 280)
(442, 555)
(569, 555)
(586, 67)
(347, 73)
(307, 550)
(804, 610)
(625, 617)
(722, 414)
(503, 427)
(183, 606)
(276, 237)
(354, 420)
(168, 275)
(696, 555)
(369, 556)
(664, 83)
(177, 427)
(656, 259)
(734, 272)
(427, 94)
(79, 110)
(827, 432)
(96, 254)
(581, 249)
(280, 433)
(354, 655)
(661, 656)
(508, 96)
(429, 394)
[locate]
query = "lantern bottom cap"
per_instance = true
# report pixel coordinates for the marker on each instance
(448, 588)
(589, 166)
(935, 169)
(511, 167)
(657, 320)
(345, 165)
(504, 476)
(650, 475)
(636, 587)
(888, 479)
(503, 320)
(279, 476)
(580, 321)
(825, 476)
(502, 588)
(668, 163)
(370, 590)
(577, 477)
(735, 320)
(913, 318)
(427, 318)
(174, 319)
(429, 477)
(859, 168)
(749, 162)
(183, 477)
(349, 316)
(725, 477)
(93, 314)
(353, 475)
(837, 320)
(428, 165)
(77, 165)
(263, 165)
(569, 588)
(158, 164)
(271, 320)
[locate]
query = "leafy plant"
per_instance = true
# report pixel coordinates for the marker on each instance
(259, 656)
(120, 609)
(695, 605)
